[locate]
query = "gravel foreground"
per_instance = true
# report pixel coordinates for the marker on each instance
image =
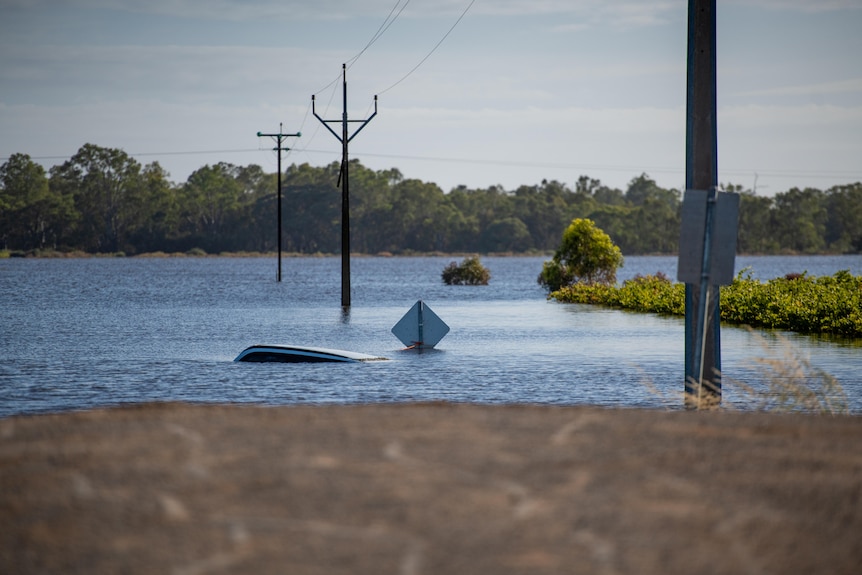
(414, 489)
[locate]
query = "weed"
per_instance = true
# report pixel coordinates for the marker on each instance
(786, 382)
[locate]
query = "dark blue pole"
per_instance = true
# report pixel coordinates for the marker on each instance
(702, 341)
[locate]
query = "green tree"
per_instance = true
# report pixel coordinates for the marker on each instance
(312, 218)
(421, 215)
(156, 226)
(31, 215)
(371, 204)
(615, 220)
(210, 207)
(107, 188)
(506, 235)
(589, 187)
(643, 188)
(255, 224)
(467, 235)
(585, 255)
(844, 218)
(655, 219)
(800, 220)
(544, 210)
(756, 233)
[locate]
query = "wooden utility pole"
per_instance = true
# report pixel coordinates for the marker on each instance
(279, 139)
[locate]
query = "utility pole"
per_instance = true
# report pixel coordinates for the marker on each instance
(710, 220)
(279, 139)
(344, 180)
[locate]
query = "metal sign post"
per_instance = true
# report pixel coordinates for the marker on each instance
(707, 253)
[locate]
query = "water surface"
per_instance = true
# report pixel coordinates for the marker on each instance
(82, 333)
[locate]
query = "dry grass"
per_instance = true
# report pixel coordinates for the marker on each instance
(787, 382)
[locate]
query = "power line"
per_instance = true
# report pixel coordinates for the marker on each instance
(787, 173)
(173, 153)
(612, 167)
(434, 49)
(380, 31)
(311, 106)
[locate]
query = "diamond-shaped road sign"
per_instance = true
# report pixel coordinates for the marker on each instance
(420, 327)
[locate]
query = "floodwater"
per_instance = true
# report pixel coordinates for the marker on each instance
(83, 333)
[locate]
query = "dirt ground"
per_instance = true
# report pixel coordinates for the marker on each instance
(429, 489)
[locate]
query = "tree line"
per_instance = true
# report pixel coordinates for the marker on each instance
(102, 200)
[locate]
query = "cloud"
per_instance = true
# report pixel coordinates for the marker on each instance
(850, 86)
(619, 12)
(160, 131)
(174, 73)
(803, 5)
(251, 10)
(790, 146)
(803, 121)
(590, 13)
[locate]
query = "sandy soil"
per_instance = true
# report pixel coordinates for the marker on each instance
(428, 489)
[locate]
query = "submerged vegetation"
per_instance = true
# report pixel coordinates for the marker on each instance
(797, 302)
(586, 254)
(469, 272)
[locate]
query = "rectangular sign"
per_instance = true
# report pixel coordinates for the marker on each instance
(722, 255)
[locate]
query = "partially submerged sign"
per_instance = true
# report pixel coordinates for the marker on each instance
(420, 327)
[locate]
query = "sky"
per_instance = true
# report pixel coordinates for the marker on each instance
(515, 92)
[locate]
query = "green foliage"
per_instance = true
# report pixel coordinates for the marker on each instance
(31, 216)
(651, 293)
(469, 272)
(844, 226)
(102, 200)
(800, 303)
(800, 220)
(828, 304)
(213, 202)
(586, 254)
(107, 188)
(755, 232)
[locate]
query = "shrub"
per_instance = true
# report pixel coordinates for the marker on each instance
(469, 272)
(651, 293)
(586, 255)
(804, 304)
